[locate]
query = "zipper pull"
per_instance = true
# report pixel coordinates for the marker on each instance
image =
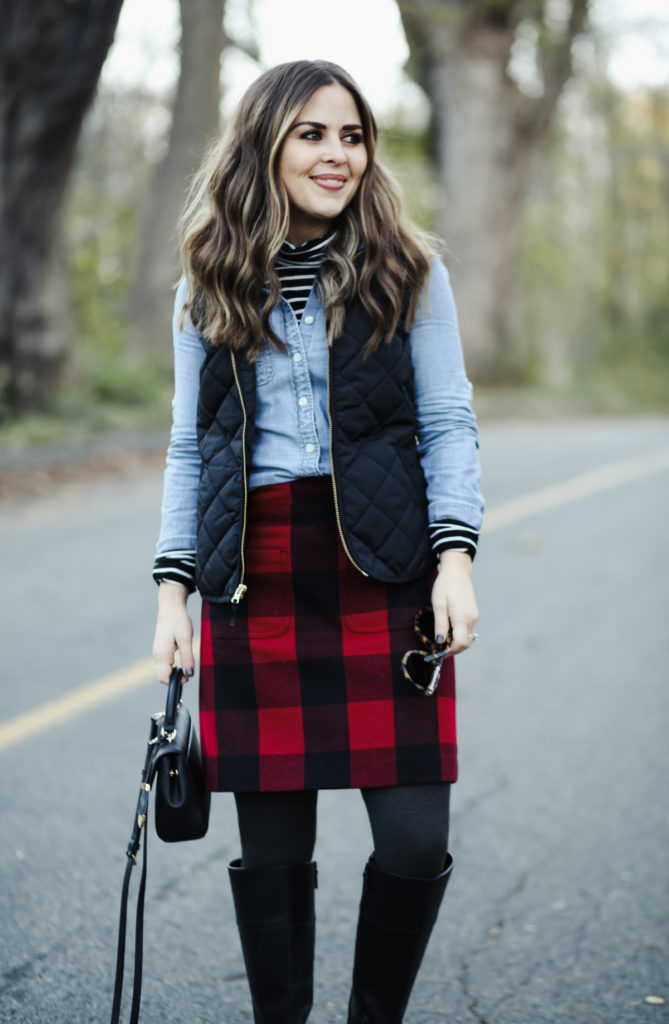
(236, 598)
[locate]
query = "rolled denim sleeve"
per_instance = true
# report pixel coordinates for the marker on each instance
(178, 517)
(447, 432)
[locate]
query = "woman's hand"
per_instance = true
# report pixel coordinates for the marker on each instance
(174, 632)
(454, 601)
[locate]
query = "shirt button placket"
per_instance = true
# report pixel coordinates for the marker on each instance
(305, 419)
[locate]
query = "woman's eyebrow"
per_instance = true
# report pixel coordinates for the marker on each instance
(317, 124)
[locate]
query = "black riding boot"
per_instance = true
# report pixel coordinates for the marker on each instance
(397, 915)
(275, 916)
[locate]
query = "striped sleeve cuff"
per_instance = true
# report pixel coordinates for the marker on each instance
(176, 567)
(452, 535)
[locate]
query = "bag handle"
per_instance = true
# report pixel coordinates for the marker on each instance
(174, 689)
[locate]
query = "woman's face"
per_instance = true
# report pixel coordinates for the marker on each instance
(322, 161)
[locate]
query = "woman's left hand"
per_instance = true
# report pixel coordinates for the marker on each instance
(454, 601)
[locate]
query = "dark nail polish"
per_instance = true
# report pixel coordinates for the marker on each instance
(440, 639)
(190, 672)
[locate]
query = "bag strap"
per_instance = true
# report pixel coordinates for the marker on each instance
(139, 940)
(161, 723)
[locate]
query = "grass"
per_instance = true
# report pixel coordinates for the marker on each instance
(94, 408)
(623, 390)
(115, 399)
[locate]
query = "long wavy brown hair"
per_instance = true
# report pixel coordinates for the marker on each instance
(237, 216)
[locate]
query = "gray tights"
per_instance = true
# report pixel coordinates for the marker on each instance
(409, 827)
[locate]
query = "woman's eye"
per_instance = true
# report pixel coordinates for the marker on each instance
(315, 135)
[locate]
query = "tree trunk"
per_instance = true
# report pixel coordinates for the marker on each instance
(483, 167)
(51, 55)
(195, 120)
(484, 131)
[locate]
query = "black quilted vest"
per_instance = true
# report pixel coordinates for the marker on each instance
(379, 484)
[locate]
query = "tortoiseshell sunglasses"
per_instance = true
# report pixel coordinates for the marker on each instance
(422, 668)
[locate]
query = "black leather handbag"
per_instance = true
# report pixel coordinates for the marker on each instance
(182, 803)
(173, 767)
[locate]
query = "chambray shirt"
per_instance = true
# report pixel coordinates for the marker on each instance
(292, 427)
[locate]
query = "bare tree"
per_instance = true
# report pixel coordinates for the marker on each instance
(51, 55)
(195, 119)
(484, 129)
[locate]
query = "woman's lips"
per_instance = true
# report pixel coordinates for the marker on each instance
(331, 182)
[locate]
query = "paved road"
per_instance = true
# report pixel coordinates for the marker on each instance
(558, 909)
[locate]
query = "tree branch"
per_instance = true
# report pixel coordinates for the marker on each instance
(250, 49)
(557, 68)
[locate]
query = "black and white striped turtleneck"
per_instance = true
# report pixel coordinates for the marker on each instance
(297, 266)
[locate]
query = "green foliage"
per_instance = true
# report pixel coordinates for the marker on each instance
(109, 383)
(76, 414)
(405, 154)
(594, 265)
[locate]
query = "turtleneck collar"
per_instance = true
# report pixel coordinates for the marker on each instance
(310, 250)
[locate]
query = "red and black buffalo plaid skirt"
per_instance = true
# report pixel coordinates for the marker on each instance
(301, 684)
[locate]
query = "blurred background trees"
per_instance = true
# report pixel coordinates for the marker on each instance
(549, 185)
(484, 129)
(594, 255)
(51, 55)
(194, 121)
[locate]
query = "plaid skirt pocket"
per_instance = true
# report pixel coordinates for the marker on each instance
(366, 610)
(266, 610)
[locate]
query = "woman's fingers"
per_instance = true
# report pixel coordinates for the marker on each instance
(174, 633)
(442, 626)
(463, 634)
(454, 602)
(164, 659)
(184, 643)
(165, 647)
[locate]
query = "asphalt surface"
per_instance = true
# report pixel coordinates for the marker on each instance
(558, 906)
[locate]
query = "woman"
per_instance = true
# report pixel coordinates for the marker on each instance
(322, 466)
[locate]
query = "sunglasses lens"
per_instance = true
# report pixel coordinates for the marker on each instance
(419, 670)
(422, 668)
(425, 623)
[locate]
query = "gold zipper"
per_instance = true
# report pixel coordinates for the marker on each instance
(241, 586)
(334, 482)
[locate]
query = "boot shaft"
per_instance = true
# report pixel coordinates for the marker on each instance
(276, 922)
(396, 918)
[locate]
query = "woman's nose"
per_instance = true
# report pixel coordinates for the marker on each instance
(334, 151)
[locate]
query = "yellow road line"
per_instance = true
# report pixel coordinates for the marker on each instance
(76, 701)
(584, 485)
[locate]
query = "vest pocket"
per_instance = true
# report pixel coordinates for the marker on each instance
(265, 610)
